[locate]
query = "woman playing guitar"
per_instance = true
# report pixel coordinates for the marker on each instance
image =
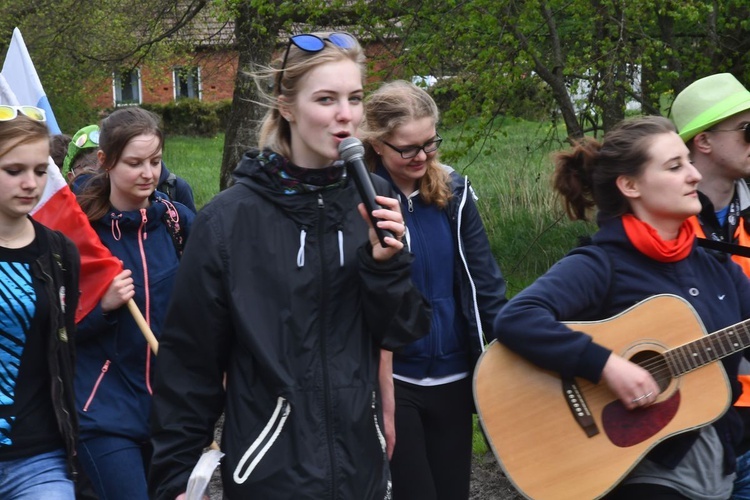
(642, 183)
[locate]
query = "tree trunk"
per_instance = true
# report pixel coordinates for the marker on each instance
(256, 37)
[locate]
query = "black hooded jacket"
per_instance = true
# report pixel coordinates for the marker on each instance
(281, 292)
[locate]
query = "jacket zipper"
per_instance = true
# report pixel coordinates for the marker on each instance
(96, 385)
(58, 390)
(142, 235)
(383, 444)
(432, 340)
(266, 438)
(470, 279)
(381, 437)
(323, 342)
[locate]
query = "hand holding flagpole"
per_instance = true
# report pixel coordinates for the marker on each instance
(143, 325)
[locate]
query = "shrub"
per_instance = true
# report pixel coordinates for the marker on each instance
(192, 117)
(73, 112)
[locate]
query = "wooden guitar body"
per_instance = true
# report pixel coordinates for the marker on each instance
(543, 448)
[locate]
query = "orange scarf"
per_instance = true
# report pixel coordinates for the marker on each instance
(647, 241)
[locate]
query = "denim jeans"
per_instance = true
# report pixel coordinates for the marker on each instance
(116, 467)
(742, 482)
(41, 476)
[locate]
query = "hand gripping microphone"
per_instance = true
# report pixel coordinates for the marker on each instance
(352, 152)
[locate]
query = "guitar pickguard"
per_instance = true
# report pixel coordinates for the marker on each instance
(628, 428)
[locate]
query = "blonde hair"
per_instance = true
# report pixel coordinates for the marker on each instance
(390, 107)
(19, 131)
(275, 133)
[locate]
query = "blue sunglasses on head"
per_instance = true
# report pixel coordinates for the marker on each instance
(313, 43)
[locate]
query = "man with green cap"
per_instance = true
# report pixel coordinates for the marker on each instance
(712, 116)
(82, 151)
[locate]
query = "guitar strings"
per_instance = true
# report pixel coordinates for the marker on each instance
(735, 337)
(658, 367)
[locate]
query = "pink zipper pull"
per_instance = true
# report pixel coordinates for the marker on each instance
(144, 220)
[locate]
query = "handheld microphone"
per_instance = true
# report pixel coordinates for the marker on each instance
(352, 152)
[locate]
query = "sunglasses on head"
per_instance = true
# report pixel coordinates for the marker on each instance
(8, 113)
(745, 129)
(313, 43)
(412, 151)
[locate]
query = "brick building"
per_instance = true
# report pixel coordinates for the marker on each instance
(206, 74)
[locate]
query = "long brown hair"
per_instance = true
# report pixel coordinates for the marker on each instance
(586, 175)
(275, 133)
(115, 132)
(388, 108)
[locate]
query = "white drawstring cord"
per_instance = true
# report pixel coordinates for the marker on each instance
(301, 252)
(341, 248)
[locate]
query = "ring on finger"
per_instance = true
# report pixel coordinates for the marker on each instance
(645, 396)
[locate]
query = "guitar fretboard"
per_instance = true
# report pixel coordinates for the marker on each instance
(708, 349)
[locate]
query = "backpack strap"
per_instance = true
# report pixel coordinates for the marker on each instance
(169, 186)
(171, 219)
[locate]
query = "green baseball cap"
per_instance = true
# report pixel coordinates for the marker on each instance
(85, 139)
(706, 102)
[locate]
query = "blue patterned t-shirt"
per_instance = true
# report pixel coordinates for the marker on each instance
(27, 423)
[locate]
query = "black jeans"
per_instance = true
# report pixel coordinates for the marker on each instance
(432, 457)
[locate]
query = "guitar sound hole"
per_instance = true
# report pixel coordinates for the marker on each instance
(655, 363)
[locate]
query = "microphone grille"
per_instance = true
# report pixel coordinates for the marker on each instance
(351, 148)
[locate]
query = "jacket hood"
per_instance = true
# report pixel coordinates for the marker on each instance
(256, 171)
(164, 173)
(251, 172)
(456, 180)
(611, 232)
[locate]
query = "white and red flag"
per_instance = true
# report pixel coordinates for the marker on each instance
(58, 208)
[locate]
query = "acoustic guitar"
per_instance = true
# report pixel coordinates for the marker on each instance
(571, 439)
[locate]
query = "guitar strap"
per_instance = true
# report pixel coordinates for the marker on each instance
(723, 246)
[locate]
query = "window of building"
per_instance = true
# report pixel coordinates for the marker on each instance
(187, 83)
(127, 87)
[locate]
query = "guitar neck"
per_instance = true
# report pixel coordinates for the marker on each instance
(708, 349)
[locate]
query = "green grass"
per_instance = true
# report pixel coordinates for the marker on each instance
(197, 160)
(525, 223)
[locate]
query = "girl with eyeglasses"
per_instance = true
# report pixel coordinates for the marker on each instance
(288, 291)
(39, 270)
(114, 366)
(457, 273)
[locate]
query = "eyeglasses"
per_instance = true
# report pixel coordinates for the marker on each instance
(313, 43)
(412, 151)
(8, 113)
(745, 128)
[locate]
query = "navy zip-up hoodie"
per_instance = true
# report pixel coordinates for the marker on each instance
(456, 271)
(112, 379)
(598, 281)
